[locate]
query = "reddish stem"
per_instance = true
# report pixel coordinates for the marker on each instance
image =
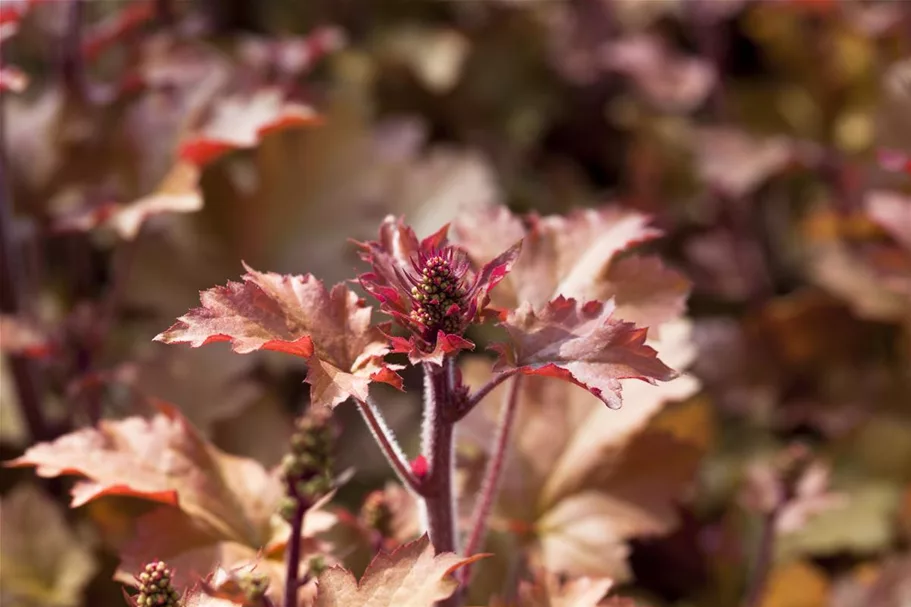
(439, 500)
(294, 555)
(492, 475)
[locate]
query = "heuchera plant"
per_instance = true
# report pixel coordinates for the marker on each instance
(434, 294)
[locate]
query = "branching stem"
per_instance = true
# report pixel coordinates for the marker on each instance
(492, 475)
(388, 444)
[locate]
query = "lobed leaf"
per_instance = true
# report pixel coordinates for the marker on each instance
(410, 576)
(583, 344)
(296, 315)
(582, 256)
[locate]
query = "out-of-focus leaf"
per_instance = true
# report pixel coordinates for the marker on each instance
(410, 576)
(582, 479)
(435, 55)
(796, 584)
(163, 459)
(667, 80)
(548, 591)
(581, 343)
(177, 193)
(888, 585)
(577, 256)
(296, 315)
(864, 524)
(46, 563)
(736, 163)
(241, 121)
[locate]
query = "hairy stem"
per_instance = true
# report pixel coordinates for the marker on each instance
(387, 443)
(293, 555)
(439, 501)
(492, 475)
(483, 391)
(759, 575)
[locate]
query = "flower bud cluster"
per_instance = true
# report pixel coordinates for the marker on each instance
(155, 588)
(307, 469)
(437, 290)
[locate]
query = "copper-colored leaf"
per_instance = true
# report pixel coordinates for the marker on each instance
(582, 479)
(410, 576)
(581, 343)
(163, 459)
(296, 315)
(577, 256)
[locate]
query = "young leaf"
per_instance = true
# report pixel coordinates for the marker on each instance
(429, 288)
(296, 315)
(410, 576)
(583, 344)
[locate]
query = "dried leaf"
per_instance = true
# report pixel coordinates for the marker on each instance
(46, 563)
(583, 344)
(410, 576)
(296, 315)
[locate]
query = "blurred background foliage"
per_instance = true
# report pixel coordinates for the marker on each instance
(754, 133)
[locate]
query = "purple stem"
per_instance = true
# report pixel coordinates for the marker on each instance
(492, 475)
(439, 500)
(294, 555)
(388, 445)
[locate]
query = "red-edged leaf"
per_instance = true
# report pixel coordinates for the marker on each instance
(240, 122)
(410, 576)
(162, 459)
(296, 315)
(583, 344)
